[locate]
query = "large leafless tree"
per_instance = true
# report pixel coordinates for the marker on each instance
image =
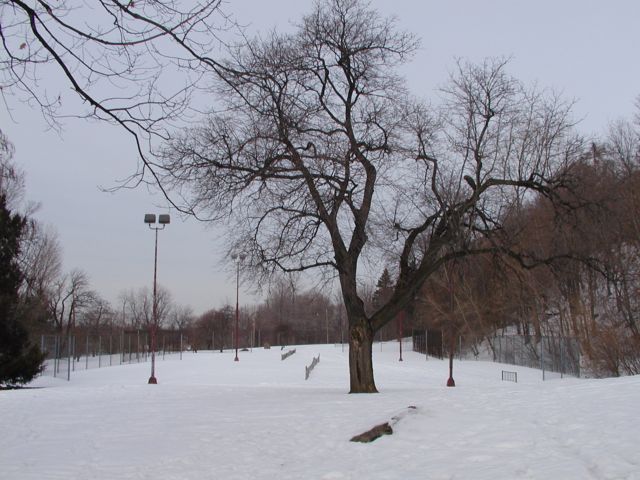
(320, 158)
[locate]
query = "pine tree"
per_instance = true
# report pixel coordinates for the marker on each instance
(20, 360)
(384, 289)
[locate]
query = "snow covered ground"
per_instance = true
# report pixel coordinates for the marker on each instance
(212, 418)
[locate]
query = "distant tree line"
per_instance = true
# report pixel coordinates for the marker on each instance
(287, 316)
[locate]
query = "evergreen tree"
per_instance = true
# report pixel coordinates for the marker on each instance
(384, 289)
(20, 360)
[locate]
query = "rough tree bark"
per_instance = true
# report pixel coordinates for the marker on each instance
(360, 357)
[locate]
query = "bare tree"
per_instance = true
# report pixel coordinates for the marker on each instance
(322, 159)
(213, 328)
(41, 259)
(181, 317)
(69, 296)
(98, 315)
(140, 306)
(11, 178)
(624, 143)
(134, 64)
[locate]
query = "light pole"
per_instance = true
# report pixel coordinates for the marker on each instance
(400, 333)
(326, 321)
(163, 220)
(237, 258)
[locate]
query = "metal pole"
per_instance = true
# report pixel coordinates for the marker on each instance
(86, 353)
(237, 306)
(154, 325)
(42, 349)
(542, 356)
(326, 320)
(180, 346)
(122, 358)
(426, 344)
(55, 358)
(561, 359)
(69, 358)
(400, 317)
(99, 351)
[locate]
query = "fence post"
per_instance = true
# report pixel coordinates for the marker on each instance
(110, 350)
(55, 355)
(99, 351)
(69, 358)
(542, 356)
(181, 346)
(561, 358)
(86, 353)
(576, 349)
(426, 344)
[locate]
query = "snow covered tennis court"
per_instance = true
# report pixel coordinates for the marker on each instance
(212, 418)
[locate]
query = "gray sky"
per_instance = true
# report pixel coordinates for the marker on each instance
(586, 49)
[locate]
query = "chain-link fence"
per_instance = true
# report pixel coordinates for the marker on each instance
(68, 353)
(549, 353)
(428, 342)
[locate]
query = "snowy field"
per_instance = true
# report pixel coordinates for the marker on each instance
(212, 418)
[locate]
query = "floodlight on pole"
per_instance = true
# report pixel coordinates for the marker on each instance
(238, 259)
(150, 220)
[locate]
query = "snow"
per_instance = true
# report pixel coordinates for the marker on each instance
(212, 418)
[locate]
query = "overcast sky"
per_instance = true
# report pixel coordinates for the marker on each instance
(586, 49)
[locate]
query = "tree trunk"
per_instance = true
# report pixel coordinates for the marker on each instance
(360, 360)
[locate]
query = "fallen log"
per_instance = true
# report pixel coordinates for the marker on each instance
(373, 434)
(384, 428)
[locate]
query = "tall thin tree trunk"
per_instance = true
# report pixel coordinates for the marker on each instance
(360, 358)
